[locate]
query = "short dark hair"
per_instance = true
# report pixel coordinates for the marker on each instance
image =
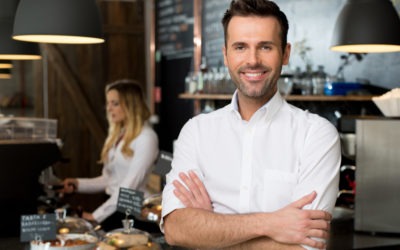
(261, 8)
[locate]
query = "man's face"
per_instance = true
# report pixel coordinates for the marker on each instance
(254, 56)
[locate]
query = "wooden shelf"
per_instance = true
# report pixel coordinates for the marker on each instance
(205, 96)
(288, 98)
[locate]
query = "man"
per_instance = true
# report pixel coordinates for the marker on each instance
(268, 171)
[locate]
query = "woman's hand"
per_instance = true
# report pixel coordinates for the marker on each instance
(70, 185)
(88, 216)
(195, 195)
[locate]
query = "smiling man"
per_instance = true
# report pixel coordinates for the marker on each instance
(258, 173)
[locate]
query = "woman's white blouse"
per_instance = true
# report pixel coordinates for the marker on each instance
(120, 171)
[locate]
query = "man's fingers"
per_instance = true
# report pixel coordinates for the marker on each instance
(182, 198)
(305, 200)
(178, 185)
(320, 215)
(200, 186)
(314, 243)
(321, 234)
(192, 186)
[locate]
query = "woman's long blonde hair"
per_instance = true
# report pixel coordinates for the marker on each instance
(136, 114)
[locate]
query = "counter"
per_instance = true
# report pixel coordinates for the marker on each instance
(343, 237)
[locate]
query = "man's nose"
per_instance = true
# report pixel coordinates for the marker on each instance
(253, 57)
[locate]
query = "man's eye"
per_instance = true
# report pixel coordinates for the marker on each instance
(266, 47)
(239, 47)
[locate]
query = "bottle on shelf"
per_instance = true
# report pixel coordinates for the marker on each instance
(318, 81)
(285, 82)
(200, 75)
(297, 77)
(306, 81)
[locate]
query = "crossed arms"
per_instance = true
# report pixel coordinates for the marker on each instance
(197, 226)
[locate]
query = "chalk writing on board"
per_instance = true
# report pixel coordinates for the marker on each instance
(130, 201)
(212, 31)
(38, 227)
(175, 28)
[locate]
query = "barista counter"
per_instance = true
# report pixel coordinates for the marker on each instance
(343, 237)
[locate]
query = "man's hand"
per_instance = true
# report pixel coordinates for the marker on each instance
(195, 195)
(293, 224)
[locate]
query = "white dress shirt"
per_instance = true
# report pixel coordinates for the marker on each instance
(281, 154)
(121, 171)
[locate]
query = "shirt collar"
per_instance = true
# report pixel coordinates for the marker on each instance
(267, 110)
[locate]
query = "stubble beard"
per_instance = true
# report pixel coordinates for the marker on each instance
(269, 87)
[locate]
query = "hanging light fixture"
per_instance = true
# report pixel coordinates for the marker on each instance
(58, 21)
(367, 26)
(5, 74)
(9, 48)
(6, 64)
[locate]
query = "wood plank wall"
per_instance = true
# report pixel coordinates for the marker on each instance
(77, 75)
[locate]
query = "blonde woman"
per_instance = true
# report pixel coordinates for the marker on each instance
(128, 154)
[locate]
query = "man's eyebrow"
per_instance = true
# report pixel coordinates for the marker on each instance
(238, 43)
(266, 43)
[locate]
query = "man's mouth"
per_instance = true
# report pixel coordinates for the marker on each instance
(254, 76)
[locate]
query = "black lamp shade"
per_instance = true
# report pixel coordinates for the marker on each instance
(5, 74)
(15, 50)
(6, 64)
(367, 26)
(58, 21)
(9, 48)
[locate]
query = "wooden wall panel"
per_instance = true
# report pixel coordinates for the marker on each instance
(77, 75)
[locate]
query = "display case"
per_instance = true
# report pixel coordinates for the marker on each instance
(16, 128)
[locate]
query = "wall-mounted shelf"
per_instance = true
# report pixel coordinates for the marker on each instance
(288, 98)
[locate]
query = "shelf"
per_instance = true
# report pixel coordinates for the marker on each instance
(205, 96)
(333, 98)
(288, 98)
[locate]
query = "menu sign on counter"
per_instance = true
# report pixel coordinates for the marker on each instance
(212, 31)
(38, 227)
(130, 201)
(175, 28)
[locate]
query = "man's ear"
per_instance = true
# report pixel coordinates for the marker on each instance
(224, 53)
(286, 54)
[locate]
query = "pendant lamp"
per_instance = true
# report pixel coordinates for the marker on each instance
(5, 74)
(367, 26)
(6, 64)
(11, 49)
(58, 21)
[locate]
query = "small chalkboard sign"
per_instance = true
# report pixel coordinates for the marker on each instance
(130, 201)
(38, 227)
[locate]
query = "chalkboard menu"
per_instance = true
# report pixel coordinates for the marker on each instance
(175, 28)
(38, 227)
(130, 201)
(212, 31)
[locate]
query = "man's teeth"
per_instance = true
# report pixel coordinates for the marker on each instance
(253, 74)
